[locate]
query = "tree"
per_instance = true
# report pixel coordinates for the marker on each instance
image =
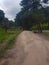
(31, 13)
(30, 4)
(11, 24)
(24, 18)
(1, 17)
(5, 24)
(45, 1)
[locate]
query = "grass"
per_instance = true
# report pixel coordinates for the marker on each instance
(10, 42)
(8, 46)
(4, 36)
(46, 33)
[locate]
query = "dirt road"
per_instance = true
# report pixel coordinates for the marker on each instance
(29, 49)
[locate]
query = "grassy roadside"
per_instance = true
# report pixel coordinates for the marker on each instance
(46, 33)
(5, 35)
(10, 43)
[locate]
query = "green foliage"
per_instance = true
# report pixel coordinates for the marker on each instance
(5, 23)
(4, 36)
(1, 15)
(32, 14)
(44, 26)
(34, 28)
(10, 42)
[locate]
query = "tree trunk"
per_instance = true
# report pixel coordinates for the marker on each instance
(39, 28)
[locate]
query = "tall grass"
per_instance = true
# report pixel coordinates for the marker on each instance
(11, 42)
(5, 35)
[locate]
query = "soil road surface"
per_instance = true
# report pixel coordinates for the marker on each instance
(29, 49)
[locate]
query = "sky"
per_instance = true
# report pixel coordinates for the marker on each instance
(10, 8)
